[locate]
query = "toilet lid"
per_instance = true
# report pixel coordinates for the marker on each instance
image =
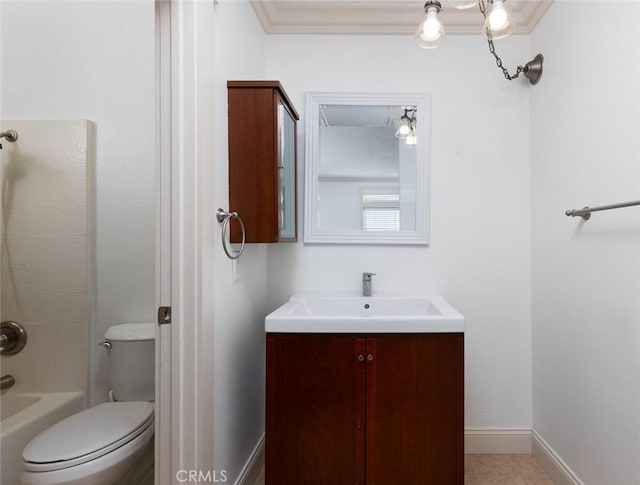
(89, 434)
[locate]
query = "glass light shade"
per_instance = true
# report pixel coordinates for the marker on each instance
(463, 4)
(404, 129)
(411, 139)
(430, 33)
(499, 20)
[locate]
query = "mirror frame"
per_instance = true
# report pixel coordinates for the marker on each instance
(420, 236)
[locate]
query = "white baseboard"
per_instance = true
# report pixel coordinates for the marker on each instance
(551, 463)
(476, 441)
(254, 465)
(497, 441)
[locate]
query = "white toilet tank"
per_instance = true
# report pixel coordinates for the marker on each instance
(132, 361)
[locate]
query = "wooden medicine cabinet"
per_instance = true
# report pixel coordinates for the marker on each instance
(262, 161)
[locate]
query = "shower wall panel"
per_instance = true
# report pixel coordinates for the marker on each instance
(46, 252)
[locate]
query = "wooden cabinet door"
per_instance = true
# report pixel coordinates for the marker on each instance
(315, 410)
(262, 161)
(415, 422)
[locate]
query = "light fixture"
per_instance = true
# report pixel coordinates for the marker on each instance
(404, 126)
(430, 33)
(407, 126)
(412, 139)
(498, 23)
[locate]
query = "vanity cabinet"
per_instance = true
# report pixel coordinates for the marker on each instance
(262, 161)
(379, 409)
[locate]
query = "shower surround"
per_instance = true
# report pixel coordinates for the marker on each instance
(45, 179)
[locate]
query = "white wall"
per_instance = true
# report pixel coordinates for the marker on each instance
(479, 256)
(585, 126)
(350, 159)
(95, 61)
(239, 307)
(358, 151)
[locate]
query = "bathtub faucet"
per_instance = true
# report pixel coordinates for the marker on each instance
(6, 382)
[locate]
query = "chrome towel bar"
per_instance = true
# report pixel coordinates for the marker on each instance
(585, 213)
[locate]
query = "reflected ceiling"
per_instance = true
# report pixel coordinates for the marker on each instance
(379, 16)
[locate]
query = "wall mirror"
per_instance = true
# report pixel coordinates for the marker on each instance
(367, 168)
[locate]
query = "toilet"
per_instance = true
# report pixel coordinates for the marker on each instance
(111, 443)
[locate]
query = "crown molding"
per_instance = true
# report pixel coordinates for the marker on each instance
(379, 16)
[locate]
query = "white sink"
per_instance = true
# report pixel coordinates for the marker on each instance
(350, 313)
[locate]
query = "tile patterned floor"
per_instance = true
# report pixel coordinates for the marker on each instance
(504, 470)
(495, 470)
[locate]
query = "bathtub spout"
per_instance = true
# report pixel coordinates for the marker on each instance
(6, 382)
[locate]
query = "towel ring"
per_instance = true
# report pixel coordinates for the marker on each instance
(224, 217)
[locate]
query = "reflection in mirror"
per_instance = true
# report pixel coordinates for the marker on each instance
(366, 169)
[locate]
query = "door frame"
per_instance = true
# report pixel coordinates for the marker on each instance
(184, 390)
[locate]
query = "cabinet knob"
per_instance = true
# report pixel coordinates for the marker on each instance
(369, 357)
(361, 358)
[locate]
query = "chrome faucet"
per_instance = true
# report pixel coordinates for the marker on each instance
(367, 284)
(6, 382)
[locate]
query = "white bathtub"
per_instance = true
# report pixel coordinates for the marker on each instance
(25, 415)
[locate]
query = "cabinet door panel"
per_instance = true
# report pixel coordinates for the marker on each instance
(252, 179)
(414, 410)
(315, 410)
(287, 172)
(262, 161)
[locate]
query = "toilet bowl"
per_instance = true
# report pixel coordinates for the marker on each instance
(111, 443)
(100, 446)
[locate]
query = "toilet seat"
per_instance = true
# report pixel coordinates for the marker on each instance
(88, 435)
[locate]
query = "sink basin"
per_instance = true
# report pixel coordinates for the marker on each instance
(350, 313)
